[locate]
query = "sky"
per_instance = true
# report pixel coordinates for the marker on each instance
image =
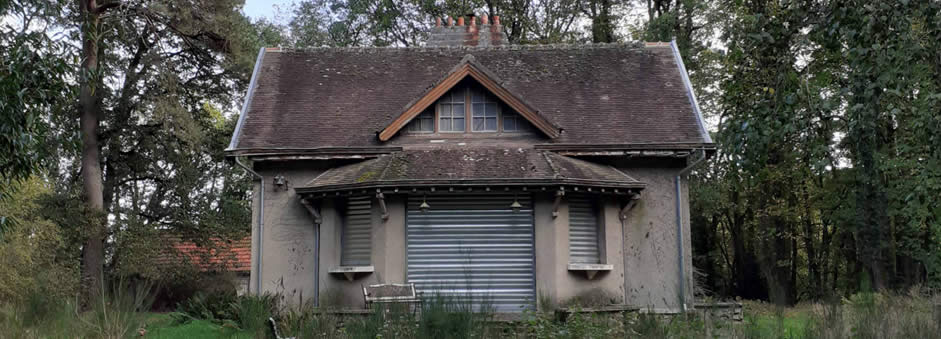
(257, 9)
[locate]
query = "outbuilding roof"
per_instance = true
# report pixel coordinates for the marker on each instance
(343, 97)
(469, 167)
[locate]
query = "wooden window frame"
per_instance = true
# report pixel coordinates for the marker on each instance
(417, 118)
(469, 115)
(438, 104)
(486, 96)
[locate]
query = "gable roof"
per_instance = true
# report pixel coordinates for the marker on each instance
(468, 67)
(469, 167)
(344, 97)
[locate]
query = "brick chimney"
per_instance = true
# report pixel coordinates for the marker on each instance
(479, 31)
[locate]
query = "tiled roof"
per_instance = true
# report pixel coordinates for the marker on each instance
(342, 97)
(469, 167)
(231, 256)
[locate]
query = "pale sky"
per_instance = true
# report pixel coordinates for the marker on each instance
(257, 9)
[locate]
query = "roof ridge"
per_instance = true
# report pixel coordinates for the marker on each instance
(598, 45)
(386, 167)
(555, 170)
(622, 173)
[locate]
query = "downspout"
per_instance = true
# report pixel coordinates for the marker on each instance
(679, 226)
(318, 219)
(261, 224)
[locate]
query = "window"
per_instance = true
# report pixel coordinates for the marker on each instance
(584, 231)
(356, 242)
(468, 106)
(513, 122)
(423, 123)
(483, 111)
(451, 111)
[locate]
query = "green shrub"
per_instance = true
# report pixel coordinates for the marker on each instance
(252, 312)
(215, 307)
(305, 321)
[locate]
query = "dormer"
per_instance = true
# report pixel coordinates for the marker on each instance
(468, 100)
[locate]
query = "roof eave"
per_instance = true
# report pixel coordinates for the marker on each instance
(311, 153)
(496, 182)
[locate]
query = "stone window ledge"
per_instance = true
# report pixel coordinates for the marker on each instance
(350, 272)
(590, 270)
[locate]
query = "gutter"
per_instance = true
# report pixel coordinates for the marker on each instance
(679, 226)
(261, 224)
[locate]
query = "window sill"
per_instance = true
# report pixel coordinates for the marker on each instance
(590, 270)
(350, 272)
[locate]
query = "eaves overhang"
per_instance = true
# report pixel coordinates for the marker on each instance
(651, 150)
(320, 153)
(473, 185)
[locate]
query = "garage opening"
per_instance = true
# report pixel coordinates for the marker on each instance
(473, 249)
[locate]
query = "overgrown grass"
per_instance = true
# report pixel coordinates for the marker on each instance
(869, 315)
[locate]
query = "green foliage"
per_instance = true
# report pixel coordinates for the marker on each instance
(217, 307)
(38, 258)
(33, 86)
(224, 307)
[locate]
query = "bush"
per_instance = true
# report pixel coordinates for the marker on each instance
(225, 307)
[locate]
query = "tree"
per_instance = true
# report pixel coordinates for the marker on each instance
(32, 86)
(146, 131)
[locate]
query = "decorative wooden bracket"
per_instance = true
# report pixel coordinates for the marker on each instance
(629, 206)
(313, 211)
(558, 200)
(382, 204)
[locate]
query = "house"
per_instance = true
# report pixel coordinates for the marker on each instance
(218, 256)
(495, 173)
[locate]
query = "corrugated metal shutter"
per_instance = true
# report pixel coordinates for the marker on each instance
(474, 249)
(357, 230)
(583, 231)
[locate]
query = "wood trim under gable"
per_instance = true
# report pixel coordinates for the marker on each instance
(453, 79)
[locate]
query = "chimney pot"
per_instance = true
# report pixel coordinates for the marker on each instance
(484, 20)
(473, 20)
(438, 22)
(460, 21)
(496, 20)
(450, 21)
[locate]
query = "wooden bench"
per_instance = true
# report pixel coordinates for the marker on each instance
(391, 294)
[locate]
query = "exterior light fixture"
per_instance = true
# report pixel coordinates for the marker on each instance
(424, 205)
(516, 204)
(280, 181)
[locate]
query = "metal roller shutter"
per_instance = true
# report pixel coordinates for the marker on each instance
(583, 231)
(356, 243)
(474, 249)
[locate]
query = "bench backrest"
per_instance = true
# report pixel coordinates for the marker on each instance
(390, 292)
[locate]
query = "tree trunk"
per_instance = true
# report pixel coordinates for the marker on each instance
(93, 249)
(602, 25)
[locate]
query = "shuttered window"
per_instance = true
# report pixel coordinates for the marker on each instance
(584, 231)
(356, 233)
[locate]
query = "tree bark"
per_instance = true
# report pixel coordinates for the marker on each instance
(93, 249)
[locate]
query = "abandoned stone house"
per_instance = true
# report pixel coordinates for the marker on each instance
(496, 174)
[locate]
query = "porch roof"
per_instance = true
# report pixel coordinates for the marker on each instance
(476, 167)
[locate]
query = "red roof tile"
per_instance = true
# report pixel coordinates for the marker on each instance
(232, 256)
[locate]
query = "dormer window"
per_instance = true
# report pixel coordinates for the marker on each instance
(451, 110)
(467, 107)
(483, 111)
